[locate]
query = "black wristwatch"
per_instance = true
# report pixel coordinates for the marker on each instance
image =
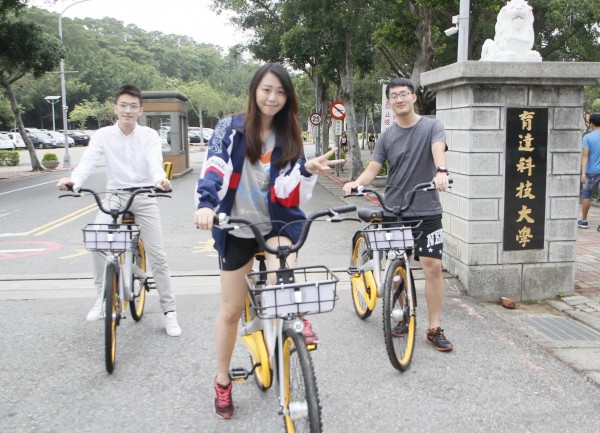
(441, 169)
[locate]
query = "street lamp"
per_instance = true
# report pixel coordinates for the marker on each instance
(67, 160)
(52, 100)
(461, 26)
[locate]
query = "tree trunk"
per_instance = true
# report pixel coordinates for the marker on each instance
(35, 162)
(347, 95)
(425, 52)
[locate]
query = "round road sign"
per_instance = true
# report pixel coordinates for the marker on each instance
(337, 110)
(315, 118)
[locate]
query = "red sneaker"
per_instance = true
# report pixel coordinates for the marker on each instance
(223, 400)
(309, 335)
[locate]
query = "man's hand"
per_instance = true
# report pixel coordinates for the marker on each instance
(320, 163)
(441, 181)
(163, 184)
(65, 184)
(204, 217)
(348, 187)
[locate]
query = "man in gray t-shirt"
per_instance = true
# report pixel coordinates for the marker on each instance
(414, 147)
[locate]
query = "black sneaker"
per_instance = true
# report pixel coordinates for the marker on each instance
(400, 329)
(436, 337)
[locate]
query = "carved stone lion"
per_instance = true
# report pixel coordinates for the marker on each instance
(514, 35)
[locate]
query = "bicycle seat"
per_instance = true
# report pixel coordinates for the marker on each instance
(370, 215)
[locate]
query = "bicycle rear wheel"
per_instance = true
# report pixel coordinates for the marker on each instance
(399, 321)
(138, 287)
(361, 289)
(111, 309)
(301, 411)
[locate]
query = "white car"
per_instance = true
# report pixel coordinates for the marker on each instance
(6, 142)
(60, 138)
(16, 139)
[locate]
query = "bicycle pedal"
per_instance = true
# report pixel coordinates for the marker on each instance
(150, 284)
(239, 374)
(354, 272)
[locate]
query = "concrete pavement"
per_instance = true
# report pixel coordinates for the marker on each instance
(581, 350)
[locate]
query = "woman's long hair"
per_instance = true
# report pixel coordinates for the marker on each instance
(286, 125)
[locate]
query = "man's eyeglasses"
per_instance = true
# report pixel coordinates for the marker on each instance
(124, 105)
(401, 95)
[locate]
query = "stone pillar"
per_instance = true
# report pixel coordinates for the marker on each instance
(472, 102)
(167, 113)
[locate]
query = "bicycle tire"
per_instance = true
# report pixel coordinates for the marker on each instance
(110, 316)
(138, 288)
(398, 309)
(263, 376)
(302, 410)
(360, 286)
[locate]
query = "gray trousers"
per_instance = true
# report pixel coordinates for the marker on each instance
(147, 216)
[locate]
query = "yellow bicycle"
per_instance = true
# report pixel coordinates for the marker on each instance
(125, 278)
(380, 268)
(271, 327)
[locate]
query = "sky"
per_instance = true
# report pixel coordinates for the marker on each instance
(193, 18)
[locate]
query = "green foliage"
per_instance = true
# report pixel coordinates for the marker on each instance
(384, 169)
(49, 157)
(334, 156)
(596, 106)
(9, 157)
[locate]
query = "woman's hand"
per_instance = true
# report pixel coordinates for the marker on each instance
(321, 163)
(204, 217)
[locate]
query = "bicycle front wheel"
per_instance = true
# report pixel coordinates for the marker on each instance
(138, 287)
(361, 289)
(301, 411)
(111, 309)
(399, 321)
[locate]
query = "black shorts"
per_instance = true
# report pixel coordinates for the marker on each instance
(239, 251)
(431, 240)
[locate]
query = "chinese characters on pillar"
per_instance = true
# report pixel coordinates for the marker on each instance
(388, 117)
(525, 178)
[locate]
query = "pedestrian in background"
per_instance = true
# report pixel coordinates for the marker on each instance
(590, 168)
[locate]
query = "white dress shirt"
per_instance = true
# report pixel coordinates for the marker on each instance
(132, 160)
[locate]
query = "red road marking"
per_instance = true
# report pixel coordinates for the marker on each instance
(41, 247)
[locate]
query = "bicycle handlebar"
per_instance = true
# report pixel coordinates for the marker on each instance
(114, 213)
(408, 197)
(225, 222)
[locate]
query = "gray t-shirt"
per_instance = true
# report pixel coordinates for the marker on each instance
(408, 151)
(253, 192)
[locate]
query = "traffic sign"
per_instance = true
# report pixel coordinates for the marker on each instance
(337, 110)
(315, 118)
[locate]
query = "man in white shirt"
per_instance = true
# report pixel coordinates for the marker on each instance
(133, 156)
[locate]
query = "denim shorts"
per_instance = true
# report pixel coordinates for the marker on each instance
(591, 181)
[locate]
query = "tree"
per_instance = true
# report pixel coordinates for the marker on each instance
(25, 49)
(102, 113)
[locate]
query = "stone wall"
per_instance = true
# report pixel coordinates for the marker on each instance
(472, 98)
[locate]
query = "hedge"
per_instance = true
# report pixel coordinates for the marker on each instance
(9, 157)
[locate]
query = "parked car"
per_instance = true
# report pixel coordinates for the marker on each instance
(6, 142)
(79, 137)
(43, 140)
(194, 137)
(60, 138)
(207, 133)
(16, 139)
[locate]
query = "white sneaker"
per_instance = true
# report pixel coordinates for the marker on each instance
(171, 325)
(96, 312)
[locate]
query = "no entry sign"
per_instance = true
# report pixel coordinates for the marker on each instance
(337, 110)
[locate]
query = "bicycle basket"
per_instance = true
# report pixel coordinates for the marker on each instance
(390, 236)
(110, 237)
(312, 292)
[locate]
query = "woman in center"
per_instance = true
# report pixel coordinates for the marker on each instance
(255, 167)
